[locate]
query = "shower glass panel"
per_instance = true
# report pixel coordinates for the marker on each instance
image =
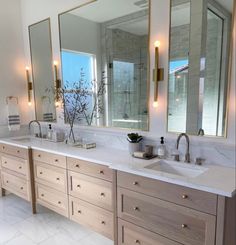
(213, 98)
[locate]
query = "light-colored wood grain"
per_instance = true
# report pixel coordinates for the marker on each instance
(130, 234)
(89, 168)
(50, 176)
(199, 200)
(52, 159)
(14, 151)
(92, 190)
(52, 199)
(15, 164)
(93, 217)
(114, 210)
(18, 186)
(179, 223)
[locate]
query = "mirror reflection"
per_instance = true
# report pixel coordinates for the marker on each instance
(42, 70)
(104, 51)
(198, 66)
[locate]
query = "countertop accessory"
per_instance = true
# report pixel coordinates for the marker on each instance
(145, 157)
(161, 150)
(199, 161)
(134, 142)
(149, 150)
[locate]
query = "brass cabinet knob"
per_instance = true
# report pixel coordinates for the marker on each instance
(7, 181)
(102, 194)
(103, 222)
(184, 226)
(136, 208)
(40, 172)
(22, 188)
(79, 211)
(20, 167)
(77, 165)
(58, 178)
(101, 172)
(137, 241)
(56, 160)
(42, 195)
(78, 186)
(39, 155)
(5, 162)
(3, 147)
(185, 196)
(59, 202)
(135, 183)
(18, 151)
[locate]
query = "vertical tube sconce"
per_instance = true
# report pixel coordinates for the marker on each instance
(29, 86)
(57, 83)
(158, 74)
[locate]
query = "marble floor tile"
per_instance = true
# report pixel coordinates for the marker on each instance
(18, 226)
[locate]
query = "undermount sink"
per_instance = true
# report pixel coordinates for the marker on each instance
(176, 168)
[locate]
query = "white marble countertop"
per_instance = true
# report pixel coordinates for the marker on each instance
(216, 179)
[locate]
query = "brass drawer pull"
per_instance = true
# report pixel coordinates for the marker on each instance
(102, 194)
(42, 195)
(39, 155)
(20, 167)
(5, 162)
(22, 188)
(41, 173)
(136, 208)
(59, 202)
(135, 183)
(58, 178)
(137, 241)
(7, 181)
(56, 160)
(78, 186)
(103, 222)
(77, 166)
(79, 211)
(184, 226)
(185, 196)
(18, 151)
(101, 172)
(3, 147)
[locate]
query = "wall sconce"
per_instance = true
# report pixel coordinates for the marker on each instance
(57, 83)
(29, 86)
(158, 74)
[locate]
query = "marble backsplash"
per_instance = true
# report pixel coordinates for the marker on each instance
(214, 152)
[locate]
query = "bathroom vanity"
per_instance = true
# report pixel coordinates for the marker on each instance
(128, 204)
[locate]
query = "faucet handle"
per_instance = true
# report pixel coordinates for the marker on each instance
(199, 160)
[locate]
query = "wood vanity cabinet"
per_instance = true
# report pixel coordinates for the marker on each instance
(17, 172)
(92, 196)
(154, 212)
(51, 181)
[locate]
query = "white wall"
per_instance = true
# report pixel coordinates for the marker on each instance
(36, 10)
(12, 61)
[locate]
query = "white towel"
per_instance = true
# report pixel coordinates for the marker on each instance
(47, 109)
(13, 115)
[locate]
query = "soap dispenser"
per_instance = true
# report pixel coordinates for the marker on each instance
(50, 131)
(161, 150)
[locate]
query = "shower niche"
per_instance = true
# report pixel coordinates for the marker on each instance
(113, 50)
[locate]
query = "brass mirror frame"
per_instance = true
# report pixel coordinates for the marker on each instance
(31, 60)
(230, 63)
(148, 66)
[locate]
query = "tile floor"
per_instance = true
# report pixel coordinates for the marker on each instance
(18, 226)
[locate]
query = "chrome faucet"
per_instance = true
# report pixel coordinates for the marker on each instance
(187, 154)
(38, 123)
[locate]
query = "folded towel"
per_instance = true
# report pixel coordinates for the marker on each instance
(13, 115)
(47, 109)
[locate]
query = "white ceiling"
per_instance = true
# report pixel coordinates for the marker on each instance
(228, 4)
(105, 10)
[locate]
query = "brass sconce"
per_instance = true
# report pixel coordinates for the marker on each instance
(158, 74)
(29, 86)
(57, 83)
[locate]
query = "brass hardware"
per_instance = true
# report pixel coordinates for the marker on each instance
(5, 162)
(18, 151)
(101, 172)
(29, 85)
(102, 194)
(41, 173)
(57, 82)
(184, 226)
(3, 147)
(56, 160)
(58, 178)
(39, 155)
(78, 186)
(103, 222)
(59, 202)
(20, 167)
(135, 183)
(79, 211)
(22, 188)
(77, 166)
(137, 241)
(185, 196)
(136, 208)
(7, 181)
(42, 195)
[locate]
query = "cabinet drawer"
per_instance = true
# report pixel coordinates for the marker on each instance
(51, 176)
(15, 185)
(178, 223)
(14, 150)
(91, 216)
(129, 234)
(199, 200)
(52, 159)
(52, 199)
(92, 169)
(15, 164)
(93, 190)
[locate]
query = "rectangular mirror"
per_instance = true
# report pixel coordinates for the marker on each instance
(42, 70)
(105, 53)
(200, 36)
